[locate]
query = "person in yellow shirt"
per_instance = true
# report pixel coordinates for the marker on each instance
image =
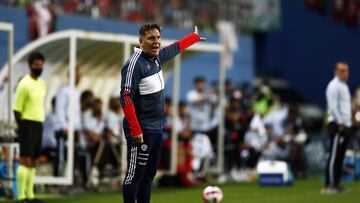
(29, 115)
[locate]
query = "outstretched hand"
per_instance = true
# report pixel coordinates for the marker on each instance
(197, 32)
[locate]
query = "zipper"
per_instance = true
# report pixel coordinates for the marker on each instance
(163, 113)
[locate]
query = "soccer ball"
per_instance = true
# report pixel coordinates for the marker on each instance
(212, 194)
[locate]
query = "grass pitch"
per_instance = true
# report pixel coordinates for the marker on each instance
(302, 191)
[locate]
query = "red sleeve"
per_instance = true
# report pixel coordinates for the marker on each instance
(130, 115)
(187, 41)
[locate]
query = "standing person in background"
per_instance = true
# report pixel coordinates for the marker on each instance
(200, 106)
(49, 139)
(339, 122)
(142, 100)
(62, 112)
(29, 114)
(113, 126)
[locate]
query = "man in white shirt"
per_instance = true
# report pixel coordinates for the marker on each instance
(49, 143)
(113, 120)
(113, 124)
(339, 122)
(62, 111)
(200, 106)
(50, 127)
(94, 125)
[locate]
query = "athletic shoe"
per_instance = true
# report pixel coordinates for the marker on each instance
(327, 191)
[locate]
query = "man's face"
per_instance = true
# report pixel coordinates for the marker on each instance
(150, 42)
(200, 86)
(89, 101)
(342, 71)
(36, 67)
(97, 108)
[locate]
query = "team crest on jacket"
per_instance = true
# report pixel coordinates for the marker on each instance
(144, 147)
(148, 66)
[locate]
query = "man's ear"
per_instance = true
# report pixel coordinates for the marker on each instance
(140, 40)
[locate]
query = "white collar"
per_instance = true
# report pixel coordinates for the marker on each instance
(137, 50)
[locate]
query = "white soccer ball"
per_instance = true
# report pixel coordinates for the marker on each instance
(212, 194)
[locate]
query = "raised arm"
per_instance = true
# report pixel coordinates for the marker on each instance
(179, 46)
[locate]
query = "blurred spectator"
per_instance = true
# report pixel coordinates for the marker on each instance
(185, 157)
(262, 99)
(200, 106)
(94, 126)
(256, 139)
(175, 14)
(184, 115)
(82, 155)
(113, 123)
(63, 112)
(276, 117)
(203, 153)
(229, 89)
(131, 11)
(49, 143)
(233, 138)
(86, 102)
(44, 18)
(41, 19)
(114, 119)
(215, 108)
(296, 138)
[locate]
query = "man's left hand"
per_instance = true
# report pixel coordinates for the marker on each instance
(197, 32)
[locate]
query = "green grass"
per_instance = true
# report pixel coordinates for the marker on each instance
(307, 191)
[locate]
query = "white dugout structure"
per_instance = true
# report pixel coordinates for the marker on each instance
(100, 57)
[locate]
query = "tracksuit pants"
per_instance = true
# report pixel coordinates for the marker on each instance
(142, 160)
(337, 148)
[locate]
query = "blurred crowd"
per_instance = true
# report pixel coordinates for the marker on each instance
(97, 134)
(342, 11)
(178, 13)
(258, 126)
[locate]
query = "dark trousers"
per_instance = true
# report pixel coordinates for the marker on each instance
(338, 144)
(142, 165)
(81, 157)
(60, 148)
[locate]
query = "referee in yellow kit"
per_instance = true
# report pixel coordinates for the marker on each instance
(29, 114)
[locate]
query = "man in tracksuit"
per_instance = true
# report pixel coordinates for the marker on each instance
(142, 100)
(339, 122)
